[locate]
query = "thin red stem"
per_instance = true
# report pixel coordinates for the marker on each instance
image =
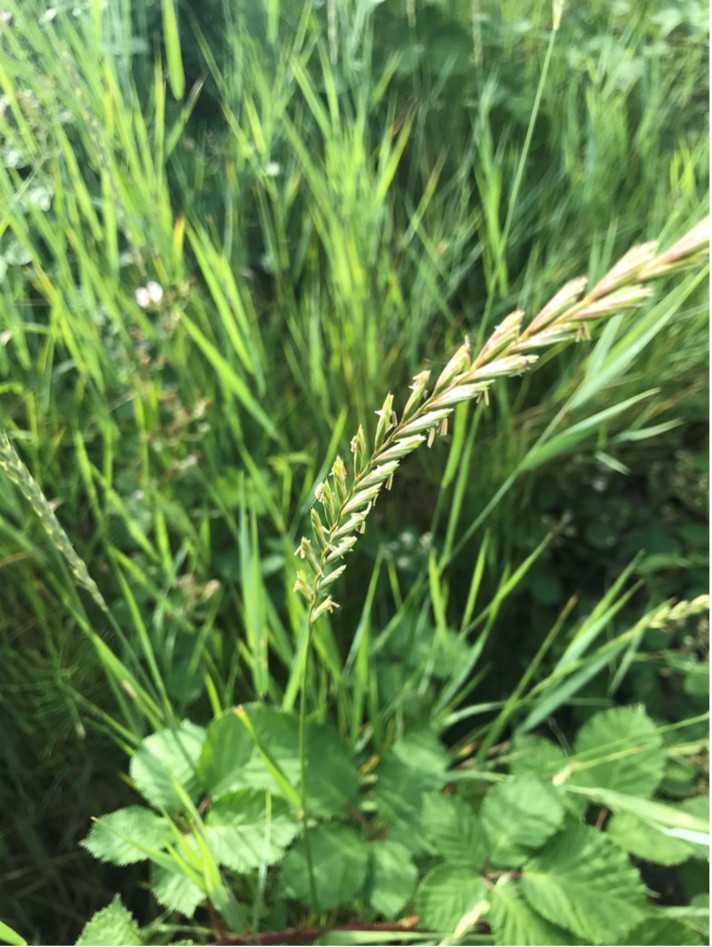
(298, 935)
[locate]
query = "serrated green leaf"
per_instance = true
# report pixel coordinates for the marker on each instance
(241, 832)
(105, 841)
(514, 921)
(535, 756)
(413, 766)
(231, 760)
(340, 860)
(176, 891)
(391, 878)
(639, 838)
(518, 816)
(656, 931)
(446, 895)
(582, 881)
(113, 926)
(161, 758)
(619, 749)
(410, 836)
(453, 830)
(697, 680)
(229, 754)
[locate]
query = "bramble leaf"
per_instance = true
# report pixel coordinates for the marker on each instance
(535, 756)
(176, 891)
(113, 926)
(246, 827)
(231, 759)
(582, 881)
(446, 895)
(413, 766)
(619, 749)
(518, 816)
(391, 879)
(135, 823)
(639, 838)
(514, 921)
(453, 830)
(160, 758)
(661, 932)
(340, 861)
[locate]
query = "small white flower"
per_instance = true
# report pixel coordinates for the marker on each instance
(143, 297)
(138, 495)
(155, 291)
(6, 17)
(41, 197)
(48, 16)
(599, 484)
(273, 169)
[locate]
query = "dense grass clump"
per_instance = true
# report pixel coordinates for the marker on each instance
(227, 231)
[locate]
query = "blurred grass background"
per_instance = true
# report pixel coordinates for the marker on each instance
(322, 191)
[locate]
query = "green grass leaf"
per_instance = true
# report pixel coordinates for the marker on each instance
(582, 881)
(391, 879)
(453, 830)
(229, 379)
(246, 828)
(514, 921)
(113, 926)
(340, 859)
(619, 749)
(166, 756)
(446, 895)
(518, 816)
(105, 841)
(9, 936)
(173, 54)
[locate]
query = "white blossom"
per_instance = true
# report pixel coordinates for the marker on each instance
(155, 291)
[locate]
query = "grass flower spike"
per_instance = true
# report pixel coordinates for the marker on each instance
(508, 351)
